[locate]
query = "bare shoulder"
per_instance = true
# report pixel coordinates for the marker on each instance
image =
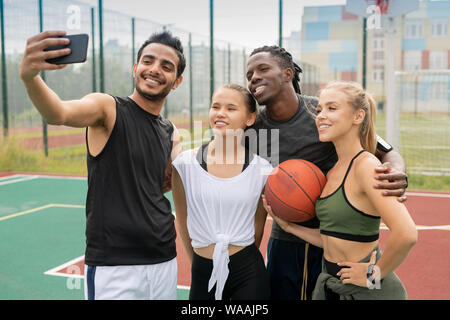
(366, 161)
(365, 166)
(100, 99)
(106, 105)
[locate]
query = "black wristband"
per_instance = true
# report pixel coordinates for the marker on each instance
(383, 145)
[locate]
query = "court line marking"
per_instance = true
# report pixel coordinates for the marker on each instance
(419, 227)
(414, 194)
(431, 195)
(61, 177)
(13, 176)
(18, 180)
(51, 205)
(44, 176)
(54, 272)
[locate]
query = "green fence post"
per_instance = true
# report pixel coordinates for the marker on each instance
(211, 48)
(44, 123)
(229, 63)
(280, 23)
(94, 65)
(364, 53)
(191, 98)
(133, 49)
(244, 58)
(4, 78)
(100, 27)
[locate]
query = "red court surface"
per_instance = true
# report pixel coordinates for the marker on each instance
(425, 272)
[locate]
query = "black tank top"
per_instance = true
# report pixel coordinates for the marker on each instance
(128, 219)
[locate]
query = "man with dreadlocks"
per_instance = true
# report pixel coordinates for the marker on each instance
(273, 78)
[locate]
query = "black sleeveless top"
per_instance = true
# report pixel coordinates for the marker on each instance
(202, 154)
(128, 219)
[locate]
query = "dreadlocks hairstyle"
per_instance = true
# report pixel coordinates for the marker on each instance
(285, 60)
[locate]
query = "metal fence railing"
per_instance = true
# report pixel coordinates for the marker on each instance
(113, 47)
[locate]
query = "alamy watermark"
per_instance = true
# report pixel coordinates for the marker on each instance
(374, 280)
(264, 142)
(74, 282)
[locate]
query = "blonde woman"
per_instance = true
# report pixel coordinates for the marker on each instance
(350, 209)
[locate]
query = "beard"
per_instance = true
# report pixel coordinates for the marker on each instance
(153, 96)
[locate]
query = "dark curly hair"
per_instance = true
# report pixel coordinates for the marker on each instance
(285, 60)
(167, 39)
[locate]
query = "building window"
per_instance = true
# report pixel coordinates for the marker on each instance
(378, 56)
(378, 74)
(439, 28)
(438, 91)
(438, 60)
(409, 91)
(413, 29)
(378, 44)
(412, 60)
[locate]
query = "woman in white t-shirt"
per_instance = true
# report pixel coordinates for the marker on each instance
(217, 194)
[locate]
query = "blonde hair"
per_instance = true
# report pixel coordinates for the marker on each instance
(358, 98)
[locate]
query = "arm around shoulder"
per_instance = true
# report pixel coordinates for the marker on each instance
(403, 233)
(179, 199)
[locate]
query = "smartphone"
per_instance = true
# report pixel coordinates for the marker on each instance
(78, 44)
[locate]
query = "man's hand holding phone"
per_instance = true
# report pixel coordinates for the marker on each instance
(50, 50)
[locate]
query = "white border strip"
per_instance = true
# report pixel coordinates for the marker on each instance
(414, 194)
(62, 177)
(54, 271)
(44, 176)
(13, 176)
(183, 287)
(431, 195)
(50, 205)
(418, 227)
(18, 180)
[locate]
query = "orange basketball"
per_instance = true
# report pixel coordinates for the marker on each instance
(292, 189)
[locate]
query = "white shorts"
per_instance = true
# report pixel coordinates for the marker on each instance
(138, 282)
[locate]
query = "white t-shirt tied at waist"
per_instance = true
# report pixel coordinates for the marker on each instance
(221, 211)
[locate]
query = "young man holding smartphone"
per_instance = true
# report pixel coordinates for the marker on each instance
(130, 233)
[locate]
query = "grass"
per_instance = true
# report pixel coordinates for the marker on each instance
(50, 133)
(64, 160)
(424, 144)
(72, 160)
(431, 183)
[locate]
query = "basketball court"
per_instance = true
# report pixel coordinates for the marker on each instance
(42, 240)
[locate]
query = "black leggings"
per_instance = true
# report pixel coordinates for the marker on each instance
(247, 278)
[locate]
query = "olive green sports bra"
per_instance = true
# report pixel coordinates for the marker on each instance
(340, 219)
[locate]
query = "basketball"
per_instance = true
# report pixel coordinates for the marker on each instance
(292, 189)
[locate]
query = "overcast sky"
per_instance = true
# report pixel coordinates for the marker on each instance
(251, 23)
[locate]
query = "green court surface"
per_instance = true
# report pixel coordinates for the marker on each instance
(42, 227)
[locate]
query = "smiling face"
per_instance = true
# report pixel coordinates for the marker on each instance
(335, 116)
(265, 77)
(156, 72)
(229, 112)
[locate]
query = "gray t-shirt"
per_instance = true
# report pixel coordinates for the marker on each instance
(296, 138)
